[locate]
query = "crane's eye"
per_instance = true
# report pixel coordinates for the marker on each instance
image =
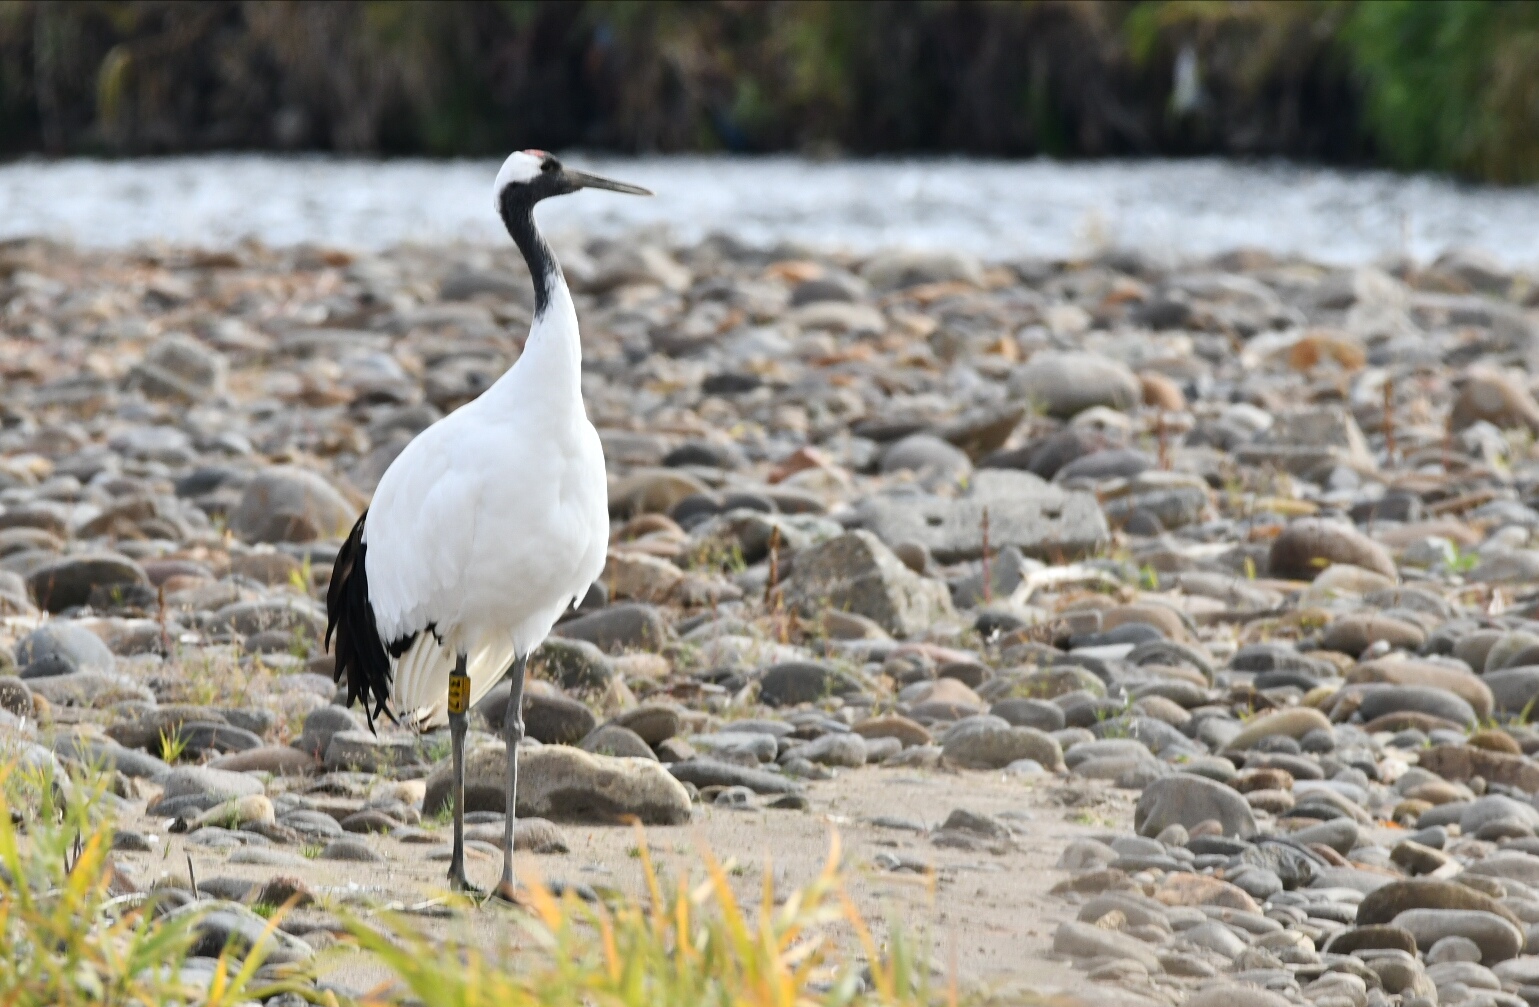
(551, 164)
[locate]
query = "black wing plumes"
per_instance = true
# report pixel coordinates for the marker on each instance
(360, 654)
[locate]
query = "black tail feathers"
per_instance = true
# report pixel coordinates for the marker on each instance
(360, 655)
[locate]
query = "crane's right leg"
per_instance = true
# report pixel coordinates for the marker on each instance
(459, 704)
(512, 733)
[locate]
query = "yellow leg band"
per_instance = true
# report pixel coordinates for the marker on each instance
(459, 693)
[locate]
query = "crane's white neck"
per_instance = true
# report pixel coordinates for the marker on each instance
(552, 357)
(554, 347)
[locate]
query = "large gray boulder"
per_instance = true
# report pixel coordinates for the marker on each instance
(567, 784)
(857, 573)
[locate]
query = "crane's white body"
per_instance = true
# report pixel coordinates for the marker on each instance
(490, 523)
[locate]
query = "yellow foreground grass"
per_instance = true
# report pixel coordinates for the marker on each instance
(71, 941)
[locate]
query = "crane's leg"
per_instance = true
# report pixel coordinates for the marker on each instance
(459, 704)
(512, 733)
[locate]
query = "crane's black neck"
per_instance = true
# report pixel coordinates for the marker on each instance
(518, 217)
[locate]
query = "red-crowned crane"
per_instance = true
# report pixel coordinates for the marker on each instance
(490, 524)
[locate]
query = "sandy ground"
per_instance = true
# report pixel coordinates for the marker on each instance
(987, 914)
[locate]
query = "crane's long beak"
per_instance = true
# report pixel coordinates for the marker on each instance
(583, 180)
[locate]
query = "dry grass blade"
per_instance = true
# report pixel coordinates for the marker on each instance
(69, 941)
(680, 944)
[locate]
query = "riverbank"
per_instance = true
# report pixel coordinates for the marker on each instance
(1127, 617)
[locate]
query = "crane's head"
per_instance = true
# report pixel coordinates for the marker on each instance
(532, 175)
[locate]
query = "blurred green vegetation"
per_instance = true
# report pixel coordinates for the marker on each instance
(1452, 86)
(1449, 86)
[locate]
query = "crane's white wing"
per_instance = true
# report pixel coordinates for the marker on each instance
(420, 532)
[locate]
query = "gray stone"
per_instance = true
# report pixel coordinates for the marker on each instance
(714, 773)
(90, 689)
(69, 580)
(1038, 519)
(1521, 971)
(218, 926)
(1496, 807)
(312, 824)
(1519, 866)
(1520, 566)
(1514, 689)
(1340, 835)
(737, 746)
(831, 750)
(857, 573)
(928, 456)
(612, 739)
(615, 629)
(1105, 748)
(1388, 901)
(1257, 882)
(1214, 936)
(1063, 384)
(289, 615)
(257, 721)
(351, 850)
(68, 645)
(537, 835)
(110, 755)
(1188, 800)
(1307, 546)
(362, 751)
(1496, 937)
(653, 723)
(285, 503)
(322, 724)
(561, 783)
(978, 823)
(578, 665)
(555, 719)
(200, 781)
(1173, 507)
(179, 368)
(1007, 572)
(1037, 713)
(796, 682)
(988, 744)
(369, 820)
(1308, 442)
(280, 760)
(1085, 855)
(1380, 700)
(201, 738)
(1082, 940)
(734, 797)
(1453, 949)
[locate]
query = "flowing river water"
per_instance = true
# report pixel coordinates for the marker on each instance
(996, 209)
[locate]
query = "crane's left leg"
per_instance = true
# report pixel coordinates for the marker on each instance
(459, 705)
(512, 733)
